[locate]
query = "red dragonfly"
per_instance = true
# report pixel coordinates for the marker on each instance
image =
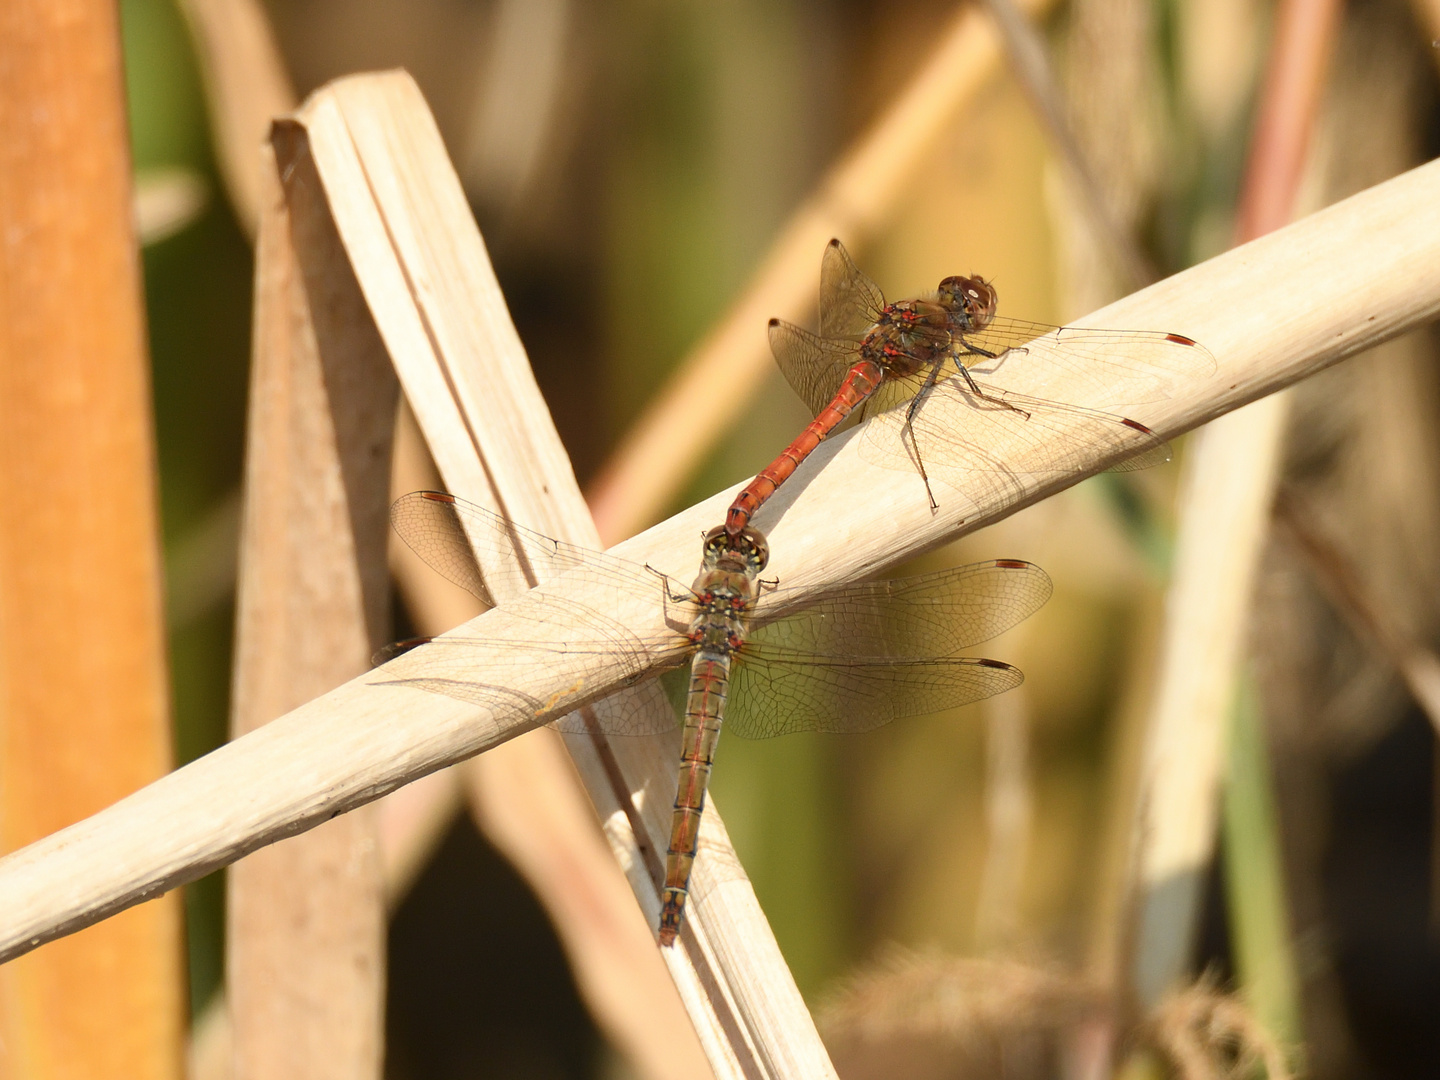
(894, 359)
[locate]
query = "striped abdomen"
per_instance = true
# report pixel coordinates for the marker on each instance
(704, 712)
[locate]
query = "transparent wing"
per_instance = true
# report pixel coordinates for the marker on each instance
(849, 301)
(857, 657)
(1115, 368)
(926, 616)
(813, 366)
(1003, 441)
(772, 696)
(441, 529)
(482, 672)
(894, 393)
(429, 523)
(448, 533)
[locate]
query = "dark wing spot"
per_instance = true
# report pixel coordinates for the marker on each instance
(397, 648)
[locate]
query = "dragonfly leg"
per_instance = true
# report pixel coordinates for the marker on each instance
(981, 394)
(1000, 357)
(920, 464)
(669, 596)
(910, 413)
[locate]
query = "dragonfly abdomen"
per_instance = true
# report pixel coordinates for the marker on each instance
(861, 381)
(704, 713)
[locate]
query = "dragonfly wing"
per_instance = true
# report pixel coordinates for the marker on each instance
(895, 391)
(1003, 441)
(449, 533)
(935, 614)
(480, 672)
(771, 695)
(643, 709)
(1114, 368)
(814, 367)
(430, 525)
(849, 301)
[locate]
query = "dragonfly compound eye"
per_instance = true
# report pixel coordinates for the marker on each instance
(755, 547)
(972, 295)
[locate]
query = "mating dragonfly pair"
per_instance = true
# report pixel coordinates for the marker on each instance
(764, 661)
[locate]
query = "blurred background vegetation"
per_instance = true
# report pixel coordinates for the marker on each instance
(627, 183)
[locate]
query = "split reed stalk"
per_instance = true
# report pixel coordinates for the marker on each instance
(305, 919)
(414, 248)
(629, 993)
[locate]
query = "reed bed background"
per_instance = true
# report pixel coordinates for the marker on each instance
(957, 896)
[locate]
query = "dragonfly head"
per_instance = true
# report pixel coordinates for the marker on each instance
(972, 298)
(746, 553)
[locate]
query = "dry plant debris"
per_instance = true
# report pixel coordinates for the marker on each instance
(926, 1015)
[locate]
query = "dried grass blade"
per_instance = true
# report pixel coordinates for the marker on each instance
(305, 942)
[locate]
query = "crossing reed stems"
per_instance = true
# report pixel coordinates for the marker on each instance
(1271, 312)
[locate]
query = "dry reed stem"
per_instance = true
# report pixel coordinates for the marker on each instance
(84, 694)
(305, 920)
(723, 373)
(1229, 482)
(246, 86)
(1272, 312)
(1417, 664)
(526, 798)
(1230, 470)
(434, 297)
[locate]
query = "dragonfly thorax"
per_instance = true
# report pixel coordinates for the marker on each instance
(723, 602)
(725, 590)
(908, 336)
